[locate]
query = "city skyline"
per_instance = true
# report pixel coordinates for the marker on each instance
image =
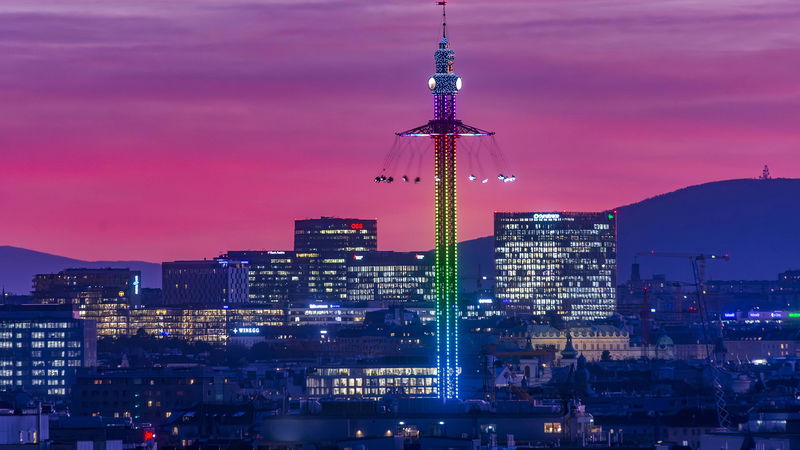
(160, 140)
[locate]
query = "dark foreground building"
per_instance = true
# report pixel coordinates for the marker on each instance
(149, 394)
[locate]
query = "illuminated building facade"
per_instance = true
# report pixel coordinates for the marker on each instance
(101, 295)
(589, 341)
(213, 282)
(75, 286)
(484, 307)
(320, 276)
(327, 314)
(347, 314)
(562, 263)
(333, 234)
(372, 382)
(272, 275)
(42, 346)
(390, 277)
(215, 325)
(278, 278)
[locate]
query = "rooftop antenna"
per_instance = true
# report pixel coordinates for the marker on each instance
(444, 17)
(765, 174)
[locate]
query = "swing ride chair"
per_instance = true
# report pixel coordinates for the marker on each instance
(413, 150)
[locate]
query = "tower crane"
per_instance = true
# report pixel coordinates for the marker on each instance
(698, 262)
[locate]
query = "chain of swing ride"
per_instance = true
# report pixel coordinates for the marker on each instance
(409, 153)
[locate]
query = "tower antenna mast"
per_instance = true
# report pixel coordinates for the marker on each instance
(444, 17)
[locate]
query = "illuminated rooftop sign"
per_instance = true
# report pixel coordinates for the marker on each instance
(247, 330)
(545, 217)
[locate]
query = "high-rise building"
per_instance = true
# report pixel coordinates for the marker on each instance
(272, 275)
(321, 276)
(390, 277)
(42, 346)
(333, 234)
(213, 282)
(556, 262)
(279, 278)
(102, 295)
(79, 286)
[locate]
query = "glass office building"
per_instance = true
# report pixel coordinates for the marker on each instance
(556, 263)
(272, 275)
(390, 278)
(101, 295)
(41, 348)
(334, 234)
(204, 283)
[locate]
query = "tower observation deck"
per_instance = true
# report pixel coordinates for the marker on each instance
(445, 130)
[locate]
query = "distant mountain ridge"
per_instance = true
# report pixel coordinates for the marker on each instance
(18, 266)
(755, 221)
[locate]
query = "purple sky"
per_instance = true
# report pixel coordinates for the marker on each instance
(161, 130)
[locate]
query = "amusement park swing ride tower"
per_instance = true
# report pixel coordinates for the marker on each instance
(445, 131)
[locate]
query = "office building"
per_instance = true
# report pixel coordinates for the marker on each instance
(213, 282)
(390, 277)
(214, 325)
(80, 286)
(333, 234)
(278, 278)
(556, 263)
(41, 348)
(101, 295)
(272, 275)
(372, 382)
(320, 276)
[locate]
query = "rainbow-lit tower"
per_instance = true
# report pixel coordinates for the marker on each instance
(445, 131)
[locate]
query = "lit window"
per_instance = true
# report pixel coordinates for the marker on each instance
(552, 427)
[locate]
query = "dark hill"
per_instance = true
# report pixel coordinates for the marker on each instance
(757, 222)
(18, 267)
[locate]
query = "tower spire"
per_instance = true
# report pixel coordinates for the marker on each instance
(444, 18)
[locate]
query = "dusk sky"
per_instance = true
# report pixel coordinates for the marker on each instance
(162, 130)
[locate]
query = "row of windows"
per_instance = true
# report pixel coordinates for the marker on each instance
(374, 382)
(37, 325)
(371, 392)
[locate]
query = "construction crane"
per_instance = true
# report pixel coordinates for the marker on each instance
(698, 262)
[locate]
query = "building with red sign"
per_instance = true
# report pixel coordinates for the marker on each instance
(334, 234)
